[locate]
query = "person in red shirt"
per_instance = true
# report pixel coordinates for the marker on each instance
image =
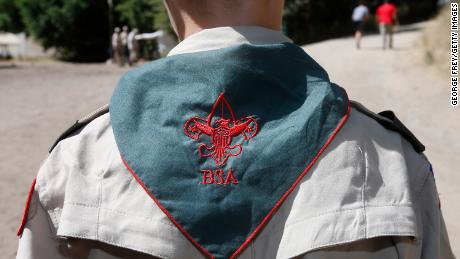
(387, 17)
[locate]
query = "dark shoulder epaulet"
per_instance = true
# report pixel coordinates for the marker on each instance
(80, 124)
(389, 121)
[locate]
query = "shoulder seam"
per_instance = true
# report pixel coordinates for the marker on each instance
(80, 124)
(389, 121)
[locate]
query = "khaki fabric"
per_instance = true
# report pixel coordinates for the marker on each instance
(347, 197)
(43, 244)
(370, 195)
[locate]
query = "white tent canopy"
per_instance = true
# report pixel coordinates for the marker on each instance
(9, 39)
(150, 36)
(164, 40)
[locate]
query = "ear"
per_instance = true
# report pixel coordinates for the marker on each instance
(174, 16)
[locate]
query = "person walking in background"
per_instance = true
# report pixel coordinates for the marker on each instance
(387, 17)
(360, 17)
(133, 46)
(116, 46)
(124, 46)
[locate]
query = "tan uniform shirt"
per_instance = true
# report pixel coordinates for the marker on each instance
(370, 195)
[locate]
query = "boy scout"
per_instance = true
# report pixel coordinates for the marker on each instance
(236, 145)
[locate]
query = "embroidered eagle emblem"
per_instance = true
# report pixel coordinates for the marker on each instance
(221, 131)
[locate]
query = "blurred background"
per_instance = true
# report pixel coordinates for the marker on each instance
(81, 31)
(61, 59)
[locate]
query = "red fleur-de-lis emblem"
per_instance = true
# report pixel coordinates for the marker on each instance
(222, 131)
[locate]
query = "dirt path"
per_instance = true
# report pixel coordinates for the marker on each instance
(399, 80)
(38, 102)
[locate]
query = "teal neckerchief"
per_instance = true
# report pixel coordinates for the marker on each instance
(219, 138)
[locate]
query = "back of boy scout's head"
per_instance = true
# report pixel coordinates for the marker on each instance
(190, 16)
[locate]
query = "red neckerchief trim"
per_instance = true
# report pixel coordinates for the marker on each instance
(26, 209)
(278, 204)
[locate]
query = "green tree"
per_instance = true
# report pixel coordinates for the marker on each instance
(146, 15)
(162, 19)
(78, 29)
(137, 13)
(10, 17)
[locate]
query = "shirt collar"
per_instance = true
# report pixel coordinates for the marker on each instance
(222, 37)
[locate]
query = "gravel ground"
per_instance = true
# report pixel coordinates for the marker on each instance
(39, 100)
(37, 103)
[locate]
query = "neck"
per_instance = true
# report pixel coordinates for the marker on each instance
(193, 27)
(188, 21)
